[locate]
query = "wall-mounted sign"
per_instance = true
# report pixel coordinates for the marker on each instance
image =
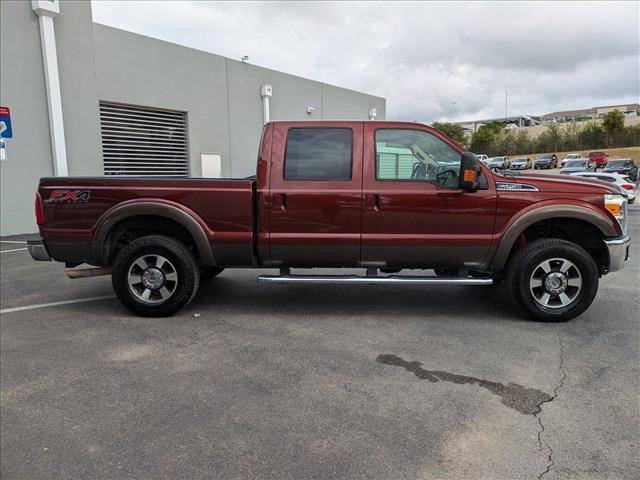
(5, 123)
(3, 151)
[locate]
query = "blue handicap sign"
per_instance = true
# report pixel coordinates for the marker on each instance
(5, 123)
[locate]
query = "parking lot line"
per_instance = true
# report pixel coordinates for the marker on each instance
(55, 304)
(13, 250)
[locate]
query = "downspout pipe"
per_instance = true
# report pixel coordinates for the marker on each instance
(266, 91)
(47, 10)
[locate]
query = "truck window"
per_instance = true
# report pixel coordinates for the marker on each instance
(415, 155)
(318, 154)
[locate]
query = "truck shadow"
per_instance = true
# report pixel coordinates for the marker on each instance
(232, 296)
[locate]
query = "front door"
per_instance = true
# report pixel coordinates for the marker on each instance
(414, 214)
(315, 194)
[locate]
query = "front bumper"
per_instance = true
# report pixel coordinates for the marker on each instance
(38, 251)
(618, 249)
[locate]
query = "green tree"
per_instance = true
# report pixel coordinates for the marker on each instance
(485, 140)
(451, 130)
(613, 122)
(522, 142)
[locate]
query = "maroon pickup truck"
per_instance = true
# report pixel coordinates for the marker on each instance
(382, 196)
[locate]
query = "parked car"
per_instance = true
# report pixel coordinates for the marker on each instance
(482, 158)
(521, 163)
(498, 163)
(623, 166)
(624, 182)
(578, 165)
(546, 160)
(326, 195)
(599, 158)
(570, 156)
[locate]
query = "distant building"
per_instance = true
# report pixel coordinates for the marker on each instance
(104, 101)
(630, 109)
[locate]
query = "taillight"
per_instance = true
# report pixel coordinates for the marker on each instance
(627, 186)
(39, 210)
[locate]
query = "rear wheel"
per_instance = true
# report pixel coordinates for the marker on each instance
(552, 280)
(155, 276)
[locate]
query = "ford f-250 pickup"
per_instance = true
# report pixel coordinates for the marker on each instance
(383, 196)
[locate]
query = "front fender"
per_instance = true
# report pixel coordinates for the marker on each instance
(545, 211)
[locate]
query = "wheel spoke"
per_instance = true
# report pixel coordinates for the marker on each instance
(546, 266)
(564, 298)
(146, 294)
(545, 299)
(164, 293)
(535, 282)
(141, 263)
(574, 282)
(160, 261)
(135, 279)
(565, 266)
(172, 277)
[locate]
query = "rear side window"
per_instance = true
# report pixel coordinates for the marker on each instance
(318, 154)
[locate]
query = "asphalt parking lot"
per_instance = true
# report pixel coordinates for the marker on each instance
(300, 381)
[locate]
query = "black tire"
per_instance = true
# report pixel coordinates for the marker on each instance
(208, 273)
(526, 263)
(178, 262)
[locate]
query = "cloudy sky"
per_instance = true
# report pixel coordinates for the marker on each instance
(420, 56)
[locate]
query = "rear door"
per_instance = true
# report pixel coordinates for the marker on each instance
(315, 194)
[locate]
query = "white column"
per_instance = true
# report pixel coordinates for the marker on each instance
(46, 11)
(266, 91)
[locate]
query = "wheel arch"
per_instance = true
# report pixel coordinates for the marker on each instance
(171, 211)
(584, 213)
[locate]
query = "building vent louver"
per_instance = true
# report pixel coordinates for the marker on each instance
(141, 141)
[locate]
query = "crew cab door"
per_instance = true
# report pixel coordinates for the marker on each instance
(414, 214)
(315, 194)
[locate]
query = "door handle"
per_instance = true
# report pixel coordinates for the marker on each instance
(283, 201)
(373, 201)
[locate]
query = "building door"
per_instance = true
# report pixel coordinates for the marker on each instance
(414, 214)
(315, 194)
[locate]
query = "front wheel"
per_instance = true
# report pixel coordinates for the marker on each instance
(155, 276)
(552, 280)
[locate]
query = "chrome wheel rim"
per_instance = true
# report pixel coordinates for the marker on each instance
(152, 279)
(555, 283)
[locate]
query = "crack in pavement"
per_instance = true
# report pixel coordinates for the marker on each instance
(550, 462)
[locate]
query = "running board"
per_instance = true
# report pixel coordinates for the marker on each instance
(374, 279)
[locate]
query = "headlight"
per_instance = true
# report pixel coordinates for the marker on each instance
(617, 205)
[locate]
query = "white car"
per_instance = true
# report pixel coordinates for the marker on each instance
(626, 185)
(570, 156)
(482, 158)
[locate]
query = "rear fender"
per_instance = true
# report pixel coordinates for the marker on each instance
(158, 207)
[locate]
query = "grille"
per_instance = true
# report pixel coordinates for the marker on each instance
(141, 141)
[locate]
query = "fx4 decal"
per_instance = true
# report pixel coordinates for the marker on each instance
(69, 196)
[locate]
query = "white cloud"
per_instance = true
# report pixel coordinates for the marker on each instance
(420, 56)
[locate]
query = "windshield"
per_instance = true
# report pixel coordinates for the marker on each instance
(573, 155)
(544, 157)
(520, 160)
(574, 163)
(496, 159)
(596, 154)
(619, 163)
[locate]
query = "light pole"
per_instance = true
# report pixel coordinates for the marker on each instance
(453, 111)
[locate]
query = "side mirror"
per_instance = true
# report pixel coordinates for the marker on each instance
(468, 178)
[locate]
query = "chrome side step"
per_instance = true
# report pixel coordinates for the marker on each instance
(374, 279)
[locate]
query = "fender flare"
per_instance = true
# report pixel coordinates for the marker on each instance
(158, 207)
(535, 213)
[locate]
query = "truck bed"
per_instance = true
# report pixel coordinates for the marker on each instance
(223, 207)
